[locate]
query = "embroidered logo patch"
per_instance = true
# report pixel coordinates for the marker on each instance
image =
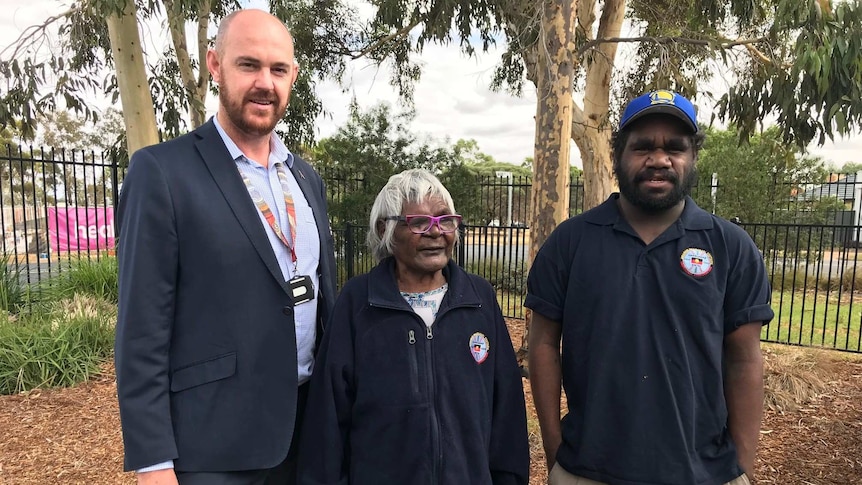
(662, 97)
(479, 347)
(696, 262)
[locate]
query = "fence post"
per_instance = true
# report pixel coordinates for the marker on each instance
(461, 249)
(115, 189)
(349, 250)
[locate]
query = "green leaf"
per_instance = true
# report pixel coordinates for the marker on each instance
(840, 122)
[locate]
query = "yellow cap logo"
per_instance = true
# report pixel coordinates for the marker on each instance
(661, 97)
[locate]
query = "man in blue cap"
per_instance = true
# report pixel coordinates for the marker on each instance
(658, 306)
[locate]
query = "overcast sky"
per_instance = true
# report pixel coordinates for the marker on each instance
(452, 100)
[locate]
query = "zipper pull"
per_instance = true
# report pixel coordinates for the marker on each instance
(428, 333)
(411, 337)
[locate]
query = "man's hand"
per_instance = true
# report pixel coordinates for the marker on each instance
(158, 477)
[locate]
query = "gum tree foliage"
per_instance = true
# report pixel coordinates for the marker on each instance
(94, 149)
(377, 143)
(795, 60)
(363, 153)
(43, 76)
(766, 180)
(759, 180)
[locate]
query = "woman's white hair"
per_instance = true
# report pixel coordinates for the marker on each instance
(415, 186)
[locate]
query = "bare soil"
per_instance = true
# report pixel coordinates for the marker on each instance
(72, 436)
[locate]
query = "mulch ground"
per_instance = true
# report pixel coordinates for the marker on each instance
(72, 436)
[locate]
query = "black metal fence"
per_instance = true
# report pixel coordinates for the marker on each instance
(57, 207)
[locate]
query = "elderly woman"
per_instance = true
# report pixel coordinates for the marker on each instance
(416, 380)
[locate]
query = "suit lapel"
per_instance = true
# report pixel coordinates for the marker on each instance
(226, 176)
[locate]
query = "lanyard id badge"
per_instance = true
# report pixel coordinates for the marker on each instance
(301, 289)
(266, 211)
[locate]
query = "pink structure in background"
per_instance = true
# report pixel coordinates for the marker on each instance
(80, 228)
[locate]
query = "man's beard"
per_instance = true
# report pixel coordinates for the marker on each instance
(631, 189)
(234, 106)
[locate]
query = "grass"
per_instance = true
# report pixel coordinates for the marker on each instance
(512, 304)
(792, 377)
(66, 335)
(816, 319)
(97, 278)
(62, 344)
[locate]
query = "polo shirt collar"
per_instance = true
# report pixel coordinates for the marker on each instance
(608, 214)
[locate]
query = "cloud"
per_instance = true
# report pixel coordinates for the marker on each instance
(840, 151)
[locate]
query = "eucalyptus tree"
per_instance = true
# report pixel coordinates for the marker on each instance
(795, 60)
(99, 52)
(361, 155)
(759, 180)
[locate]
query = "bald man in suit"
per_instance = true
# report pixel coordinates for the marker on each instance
(226, 275)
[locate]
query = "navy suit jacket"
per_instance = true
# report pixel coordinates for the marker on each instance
(206, 347)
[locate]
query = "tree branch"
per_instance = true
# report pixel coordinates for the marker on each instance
(748, 43)
(579, 122)
(383, 40)
(28, 36)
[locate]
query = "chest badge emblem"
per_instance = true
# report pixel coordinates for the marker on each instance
(696, 262)
(479, 347)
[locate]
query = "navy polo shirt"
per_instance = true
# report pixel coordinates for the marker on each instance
(643, 329)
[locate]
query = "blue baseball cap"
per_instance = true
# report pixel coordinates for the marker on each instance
(661, 101)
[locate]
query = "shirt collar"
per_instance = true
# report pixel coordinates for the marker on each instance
(608, 213)
(277, 149)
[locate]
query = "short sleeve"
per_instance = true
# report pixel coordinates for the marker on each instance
(748, 294)
(547, 282)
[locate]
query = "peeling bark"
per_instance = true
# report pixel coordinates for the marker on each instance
(139, 115)
(554, 75)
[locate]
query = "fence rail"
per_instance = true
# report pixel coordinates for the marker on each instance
(811, 256)
(43, 193)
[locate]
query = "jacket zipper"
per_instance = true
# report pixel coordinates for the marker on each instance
(414, 365)
(435, 419)
(432, 379)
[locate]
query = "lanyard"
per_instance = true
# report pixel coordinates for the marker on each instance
(267, 212)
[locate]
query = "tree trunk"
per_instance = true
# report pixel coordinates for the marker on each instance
(591, 127)
(138, 113)
(204, 11)
(598, 177)
(549, 198)
(196, 87)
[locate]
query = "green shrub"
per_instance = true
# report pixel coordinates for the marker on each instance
(851, 279)
(361, 263)
(13, 293)
(94, 277)
(792, 278)
(508, 276)
(59, 344)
